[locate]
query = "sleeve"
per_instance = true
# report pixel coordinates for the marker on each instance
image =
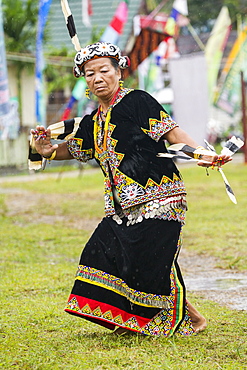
(151, 116)
(81, 146)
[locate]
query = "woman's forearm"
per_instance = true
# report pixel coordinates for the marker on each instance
(62, 152)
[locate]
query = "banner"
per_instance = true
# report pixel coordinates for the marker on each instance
(146, 42)
(215, 48)
(9, 120)
(76, 95)
(177, 18)
(44, 7)
(228, 96)
(87, 11)
(115, 28)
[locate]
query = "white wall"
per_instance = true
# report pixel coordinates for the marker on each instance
(28, 94)
(191, 103)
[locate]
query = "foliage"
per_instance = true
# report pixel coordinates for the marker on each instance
(59, 77)
(43, 227)
(203, 13)
(20, 19)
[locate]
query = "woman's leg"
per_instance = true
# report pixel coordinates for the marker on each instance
(199, 322)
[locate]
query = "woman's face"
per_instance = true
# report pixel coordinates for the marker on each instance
(102, 78)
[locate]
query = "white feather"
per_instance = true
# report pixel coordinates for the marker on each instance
(237, 142)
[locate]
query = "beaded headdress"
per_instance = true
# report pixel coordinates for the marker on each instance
(90, 52)
(98, 50)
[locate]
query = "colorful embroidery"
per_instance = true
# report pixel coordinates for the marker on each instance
(160, 127)
(117, 285)
(131, 193)
(74, 146)
(167, 322)
(109, 157)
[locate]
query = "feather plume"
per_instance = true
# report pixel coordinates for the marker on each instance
(70, 24)
(232, 146)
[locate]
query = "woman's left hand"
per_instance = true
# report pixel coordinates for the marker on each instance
(214, 160)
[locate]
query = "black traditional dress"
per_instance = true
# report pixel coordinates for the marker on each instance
(128, 274)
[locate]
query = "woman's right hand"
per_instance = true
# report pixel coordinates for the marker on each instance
(42, 141)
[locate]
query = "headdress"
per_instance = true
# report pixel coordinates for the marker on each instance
(90, 52)
(98, 50)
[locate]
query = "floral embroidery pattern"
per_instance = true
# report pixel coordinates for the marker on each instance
(159, 127)
(131, 193)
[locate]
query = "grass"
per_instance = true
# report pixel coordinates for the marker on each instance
(215, 226)
(44, 225)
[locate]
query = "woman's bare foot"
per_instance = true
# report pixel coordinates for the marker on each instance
(199, 322)
(122, 331)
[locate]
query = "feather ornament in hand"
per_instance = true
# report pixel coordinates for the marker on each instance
(230, 147)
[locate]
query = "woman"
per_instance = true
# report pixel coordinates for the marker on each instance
(128, 275)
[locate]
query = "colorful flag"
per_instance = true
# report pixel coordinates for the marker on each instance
(4, 86)
(177, 17)
(215, 48)
(9, 119)
(87, 11)
(228, 96)
(115, 28)
(44, 7)
(76, 95)
(146, 42)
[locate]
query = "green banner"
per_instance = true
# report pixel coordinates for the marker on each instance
(228, 96)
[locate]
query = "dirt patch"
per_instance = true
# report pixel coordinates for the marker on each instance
(26, 204)
(201, 275)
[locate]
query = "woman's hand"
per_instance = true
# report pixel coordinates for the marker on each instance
(213, 161)
(42, 141)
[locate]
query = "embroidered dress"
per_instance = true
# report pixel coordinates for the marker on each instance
(128, 273)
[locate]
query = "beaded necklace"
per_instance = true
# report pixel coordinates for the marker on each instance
(100, 129)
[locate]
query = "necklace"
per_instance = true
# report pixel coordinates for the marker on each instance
(101, 126)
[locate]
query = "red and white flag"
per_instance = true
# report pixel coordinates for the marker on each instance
(87, 11)
(116, 26)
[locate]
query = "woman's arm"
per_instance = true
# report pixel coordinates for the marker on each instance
(43, 145)
(177, 135)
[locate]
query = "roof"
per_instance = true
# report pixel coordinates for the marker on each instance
(103, 12)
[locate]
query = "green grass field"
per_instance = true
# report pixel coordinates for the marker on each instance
(44, 225)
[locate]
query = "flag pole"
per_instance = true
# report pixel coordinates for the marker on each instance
(243, 90)
(195, 36)
(151, 16)
(244, 116)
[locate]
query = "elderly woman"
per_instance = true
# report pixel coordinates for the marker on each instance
(128, 276)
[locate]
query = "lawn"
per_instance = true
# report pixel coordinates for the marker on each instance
(44, 225)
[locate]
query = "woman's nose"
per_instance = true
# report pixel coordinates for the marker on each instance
(98, 77)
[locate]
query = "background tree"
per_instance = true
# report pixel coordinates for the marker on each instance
(203, 13)
(20, 24)
(20, 20)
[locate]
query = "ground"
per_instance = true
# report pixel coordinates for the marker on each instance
(201, 274)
